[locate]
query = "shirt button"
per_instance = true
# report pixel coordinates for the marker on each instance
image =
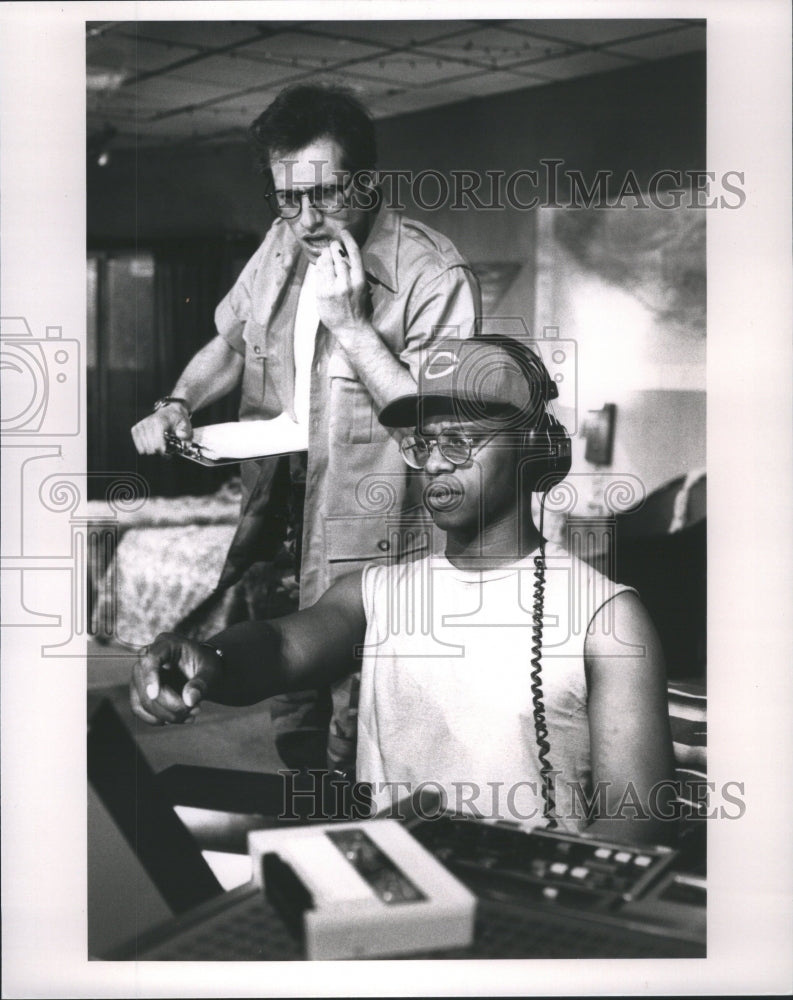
(257, 350)
(384, 545)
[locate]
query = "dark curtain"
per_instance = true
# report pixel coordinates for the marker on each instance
(189, 278)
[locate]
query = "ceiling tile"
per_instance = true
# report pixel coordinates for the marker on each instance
(421, 99)
(175, 93)
(307, 49)
(579, 64)
(392, 33)
(117, 53)
(593, 32)
(200, 34)
(410, 69)
(123, 109)
(483, 84)
(208, 120)
(671, 43)
(229, 73)
(494, 47)
(248, 104)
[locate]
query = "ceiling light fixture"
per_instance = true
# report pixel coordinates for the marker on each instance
(98, 146)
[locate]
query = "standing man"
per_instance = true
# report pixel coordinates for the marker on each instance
(323, 328)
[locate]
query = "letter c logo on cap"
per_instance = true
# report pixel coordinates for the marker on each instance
(441, 364)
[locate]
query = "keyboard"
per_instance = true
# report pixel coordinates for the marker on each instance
(541, 864)
(575, 880)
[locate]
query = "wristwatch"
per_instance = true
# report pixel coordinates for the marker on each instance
(167, 400)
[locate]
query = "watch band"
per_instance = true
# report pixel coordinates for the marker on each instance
(167, 400)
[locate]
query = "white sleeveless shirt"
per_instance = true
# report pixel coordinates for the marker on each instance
(446, 696)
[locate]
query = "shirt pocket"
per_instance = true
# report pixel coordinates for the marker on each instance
(352, 412)
(254, 372)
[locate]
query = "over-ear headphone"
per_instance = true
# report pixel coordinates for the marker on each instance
(548, 449)
(545, 442)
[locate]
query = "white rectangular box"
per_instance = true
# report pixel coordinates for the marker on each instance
(354, 912)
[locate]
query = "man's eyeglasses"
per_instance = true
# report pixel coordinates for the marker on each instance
(455, 446)
(326, 198)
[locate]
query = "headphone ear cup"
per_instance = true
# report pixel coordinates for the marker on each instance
(561, 450)
(550, 448)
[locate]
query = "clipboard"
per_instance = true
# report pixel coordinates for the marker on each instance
(195, 453)
(240, 441)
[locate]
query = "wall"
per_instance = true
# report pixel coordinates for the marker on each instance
(659, 435)
(627, 294)
(641, 119)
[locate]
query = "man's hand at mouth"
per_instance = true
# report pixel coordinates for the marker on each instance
(342, 294)
(345, 308)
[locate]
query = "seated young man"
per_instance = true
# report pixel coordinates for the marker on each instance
(508, 675)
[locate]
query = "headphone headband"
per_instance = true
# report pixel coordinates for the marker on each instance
(545, 443)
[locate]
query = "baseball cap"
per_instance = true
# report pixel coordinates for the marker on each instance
(475, 379)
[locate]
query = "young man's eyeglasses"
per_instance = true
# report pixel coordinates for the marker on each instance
(325, 198)
(454, 445)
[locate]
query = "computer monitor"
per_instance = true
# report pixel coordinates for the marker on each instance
(143, 865)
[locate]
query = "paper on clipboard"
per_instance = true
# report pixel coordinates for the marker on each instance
(237, 441)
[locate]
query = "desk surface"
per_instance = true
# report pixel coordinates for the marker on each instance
(242, 926)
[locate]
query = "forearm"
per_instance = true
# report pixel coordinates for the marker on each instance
(440, 300)
(446, 303)
(384, 375)
(307, 649)
(652, 823)
(211, 374)
(251, 664)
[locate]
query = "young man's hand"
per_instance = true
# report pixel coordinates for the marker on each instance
(171, 678)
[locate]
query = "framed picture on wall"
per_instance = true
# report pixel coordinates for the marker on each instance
(599, 433)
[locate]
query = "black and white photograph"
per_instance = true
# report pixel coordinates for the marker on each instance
(369, 625)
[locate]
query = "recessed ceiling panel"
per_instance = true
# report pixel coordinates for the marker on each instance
(196, 34)
(251, 104)
(578, 64)
(494, 48)
(393, 33)
(409, 69)
(594, 32)
(124, 107)
(661, 46)
(406, 101)
(308, 49)
(229, 73)
(177, 93)
(126, 56)
(209, 120)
